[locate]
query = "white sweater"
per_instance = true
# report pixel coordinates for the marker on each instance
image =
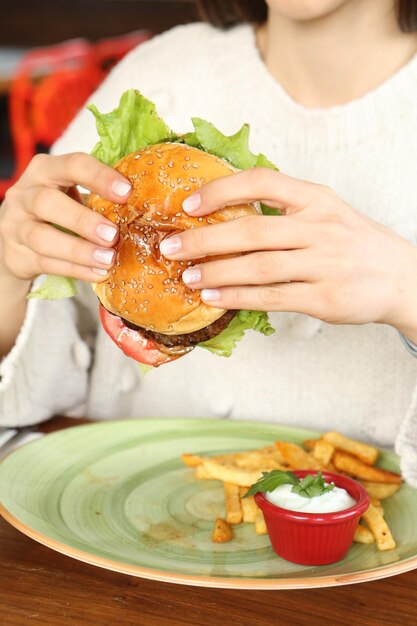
(358, 379)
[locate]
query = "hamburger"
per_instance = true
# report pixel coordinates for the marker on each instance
(145, 306)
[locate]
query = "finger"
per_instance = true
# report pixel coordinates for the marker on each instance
(77, 168)
(245, 234)
(290, 297)
(260, 268)
(57, 267)
(47, 241)
(273, 188)
(52, 205)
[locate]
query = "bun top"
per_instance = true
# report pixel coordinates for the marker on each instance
(144, 287)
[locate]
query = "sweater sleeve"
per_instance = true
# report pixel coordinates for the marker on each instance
(46, 371)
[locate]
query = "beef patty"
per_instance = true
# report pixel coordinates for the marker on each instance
(189, 339)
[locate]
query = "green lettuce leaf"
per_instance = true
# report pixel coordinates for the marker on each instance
(224, 343)
(55, 288)
(233, 148)
(133, 125)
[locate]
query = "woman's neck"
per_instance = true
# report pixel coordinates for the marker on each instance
(336, 58)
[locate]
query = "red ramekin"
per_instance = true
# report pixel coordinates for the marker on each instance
(314, 538)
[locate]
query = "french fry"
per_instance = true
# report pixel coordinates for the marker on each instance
(309, 444)
(364, 452)
(379, 528)
(233, 508)
(380, 490)
(257, 459)
(260, 526)
(201, 473)
(323, 452)
(363, 535)
(191, 460)
(378, 505)
(249, 508)
(230, 473)
(296, 457)
(222, 531)
(345, 462)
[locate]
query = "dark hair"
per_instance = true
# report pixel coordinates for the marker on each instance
(224, 13)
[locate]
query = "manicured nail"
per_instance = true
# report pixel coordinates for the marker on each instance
(99, 270)
(120, 188)
(210, 295)
(192, 203)
(191, 275)
(172, 245)
(103, 256)
(106, 232)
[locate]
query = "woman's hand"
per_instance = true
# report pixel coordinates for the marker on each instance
(30, 245)
(322, 257)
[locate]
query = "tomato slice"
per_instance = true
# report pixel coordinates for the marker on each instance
(133, 344)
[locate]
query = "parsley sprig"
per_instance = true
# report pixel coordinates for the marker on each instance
(308, 487)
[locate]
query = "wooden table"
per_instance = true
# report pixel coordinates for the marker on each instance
(39, 586)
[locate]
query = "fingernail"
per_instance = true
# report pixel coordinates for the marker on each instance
(170, 246)
(210, 295)
(120, 188)
(106, 232)
(191, 275)
(99, 270)
(103, 256)
(192, 203)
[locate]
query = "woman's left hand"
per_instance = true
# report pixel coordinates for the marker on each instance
(321, 257)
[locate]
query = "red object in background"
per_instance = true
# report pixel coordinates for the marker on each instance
(51, 85)
(314, 538)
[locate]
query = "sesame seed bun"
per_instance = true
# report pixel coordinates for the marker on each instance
(144, 287)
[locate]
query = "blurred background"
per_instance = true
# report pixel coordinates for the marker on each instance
(59, 51)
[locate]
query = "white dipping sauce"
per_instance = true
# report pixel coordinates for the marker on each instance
(337, 499)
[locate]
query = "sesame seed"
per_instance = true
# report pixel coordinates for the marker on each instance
(171, 163)
(187, 188)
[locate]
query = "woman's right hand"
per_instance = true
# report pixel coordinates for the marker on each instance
(30, 245)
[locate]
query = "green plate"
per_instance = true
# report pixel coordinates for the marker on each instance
(116, 494)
